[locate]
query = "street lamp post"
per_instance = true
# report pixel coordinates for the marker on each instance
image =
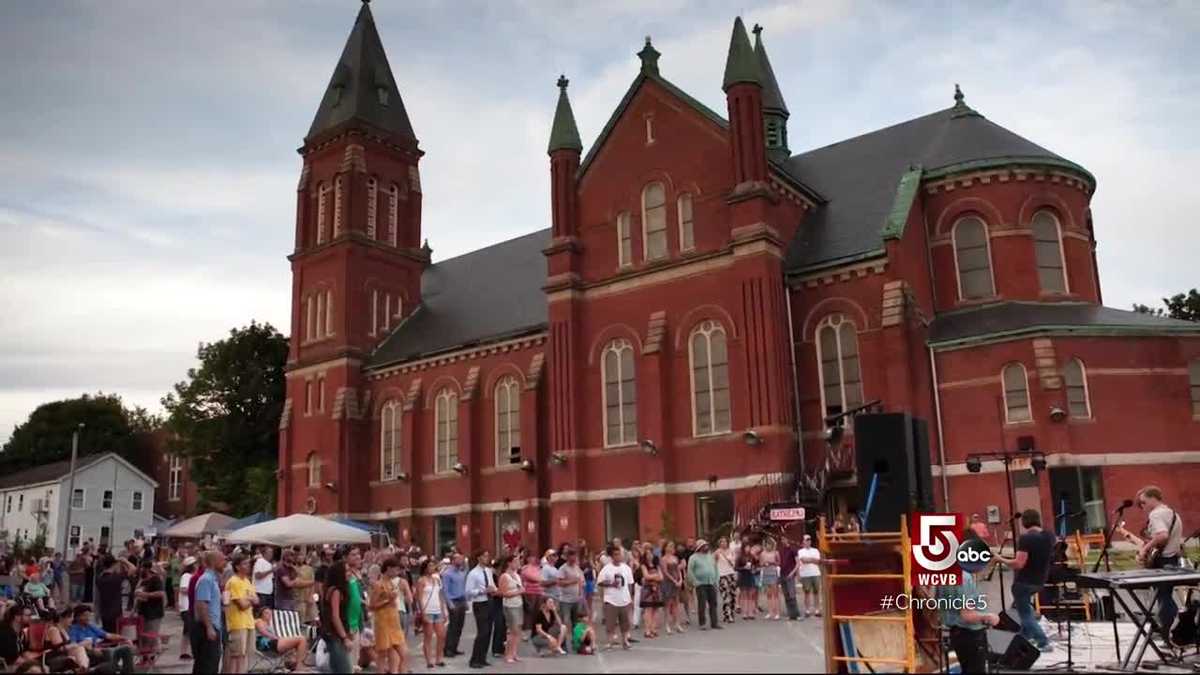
(67, 552)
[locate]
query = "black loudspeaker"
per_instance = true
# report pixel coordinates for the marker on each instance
(1010, 651)
(892, 451)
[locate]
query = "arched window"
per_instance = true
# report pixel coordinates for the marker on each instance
(973, 256)
(339, 198)
(624, 240)
(508, 421)
(1047, 248)
(393, 213)
(389, 441)
(1016, 394)
(654, 221)
(314, 470)
(1194, 380)
(687, 234)
(1077, 390)
(710, 380)
(619, 395)
(372, 205)
(322, 210)
(840, 372)
(445, 420)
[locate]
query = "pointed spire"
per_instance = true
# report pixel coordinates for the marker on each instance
(649, 56)
(564, 135)
(741, 64)
(362, 87)
(772, 96)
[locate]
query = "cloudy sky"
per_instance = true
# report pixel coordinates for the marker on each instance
(148, 165)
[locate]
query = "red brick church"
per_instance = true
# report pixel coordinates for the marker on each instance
(703, 298)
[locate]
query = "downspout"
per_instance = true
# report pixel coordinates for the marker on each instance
(795, 378)
(937, 411)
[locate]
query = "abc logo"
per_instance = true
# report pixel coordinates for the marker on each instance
(973, 555)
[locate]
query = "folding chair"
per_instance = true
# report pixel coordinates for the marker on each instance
(284, 624)
(146, 644)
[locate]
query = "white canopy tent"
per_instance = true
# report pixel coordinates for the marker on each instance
(197, 527)
(298, 530)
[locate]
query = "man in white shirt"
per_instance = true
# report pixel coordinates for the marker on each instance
(1164, 536)
(807, 560)
(615, 581)
(264, 577)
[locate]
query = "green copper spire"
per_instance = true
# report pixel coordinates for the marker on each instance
(772, 96)
(741, 65)
(564, 135)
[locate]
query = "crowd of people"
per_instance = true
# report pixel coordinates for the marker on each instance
(368, 605)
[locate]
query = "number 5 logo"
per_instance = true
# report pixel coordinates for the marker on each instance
(937, 538)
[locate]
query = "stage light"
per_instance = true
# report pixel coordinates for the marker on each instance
(527, 465)
(751, 438)
(649, 446)
(460, 469)
(1057, 414)
(974, 464)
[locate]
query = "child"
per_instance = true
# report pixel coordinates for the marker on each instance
(583, 636)
(38, 591)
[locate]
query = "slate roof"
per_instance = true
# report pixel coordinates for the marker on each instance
(1009, 318)
(859, 177)
(482, 296)
(48, 472)
(360, 74)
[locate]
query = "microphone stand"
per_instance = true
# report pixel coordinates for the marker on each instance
(1108, 535)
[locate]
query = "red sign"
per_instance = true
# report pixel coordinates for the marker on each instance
(795, 513)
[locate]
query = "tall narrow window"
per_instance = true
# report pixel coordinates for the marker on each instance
(1047, 248)
(321, 394)
(1016, 394)
(445, 419)
(649, 129)
(687, 235)
(310, 329)
(399, 308)
(972, 254)
(387, 318)
(654, 221)
(308, 397)
(624, 240)
(77, 498)
(508, 421)
(710, 380)
(389, 441)
(841, 376)
(314, 470)
(1194, 380)
(136, 501)
(106, 500)
(328, 313)
(73, 542)
(619, 395)
(339, 199)
(322, 211)
(393, 213)
(372, 205)
(1077, 389)
(374, 312)
(320, 315)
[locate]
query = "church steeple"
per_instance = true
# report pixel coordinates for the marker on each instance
(564, 135)
(740, 64)
(775, 112)
(362, 88)
(743, 85)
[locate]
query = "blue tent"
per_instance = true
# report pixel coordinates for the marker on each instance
(373, 528)
(252, 519)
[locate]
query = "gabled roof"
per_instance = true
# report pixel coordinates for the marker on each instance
(47, 473)
(362, 87)
(860, 177)
(483, 296)
(1014, 319)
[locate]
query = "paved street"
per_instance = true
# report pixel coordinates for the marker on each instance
(758, 646)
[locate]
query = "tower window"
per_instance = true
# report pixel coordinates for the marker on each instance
(1047, 248)
(322, 209)
(372, 205)
(687, 235)
(393, 212)
(374, 312)
(649, 129)
(973, 257)
(1016, 394)
(381, 94)
(328, 313)
(1077, 391)
(339, 198)
(337, 94)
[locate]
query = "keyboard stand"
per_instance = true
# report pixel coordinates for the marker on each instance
(1146, 627)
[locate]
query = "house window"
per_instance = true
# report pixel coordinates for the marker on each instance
(1047, 248)
(389, 441)
(308, 397)
(372, 205)
(624, 240)
(619, 395)
(840, 373)
(1016, 394)
(687, 235)
(710, 380)
(446, 424)
(175, 474)
(508, 421)
(973, 257)
(393, 213)
(654, 221)
(1077, 390)
(322, 209)
(106, 502)
(77, 499)
(1194, 380)
(314, 470)
(136, 503)
(8, 504)
(73, 539)
(105, 535)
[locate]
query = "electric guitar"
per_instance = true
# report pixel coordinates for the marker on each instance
(1147, 560)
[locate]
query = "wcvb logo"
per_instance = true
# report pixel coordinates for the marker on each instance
(936, 552)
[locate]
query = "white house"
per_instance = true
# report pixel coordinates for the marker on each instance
(112, 501)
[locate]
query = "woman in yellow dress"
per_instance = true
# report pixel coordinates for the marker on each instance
(391, 648)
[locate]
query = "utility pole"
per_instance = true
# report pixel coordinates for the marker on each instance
(69, 553)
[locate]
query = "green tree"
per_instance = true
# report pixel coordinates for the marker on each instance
(1181, 306)
(46, 436)
(225, 417)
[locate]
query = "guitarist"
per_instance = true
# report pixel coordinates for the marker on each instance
(1163, 548)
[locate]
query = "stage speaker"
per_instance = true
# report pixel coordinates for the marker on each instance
(892, 452)
(1010, 651)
